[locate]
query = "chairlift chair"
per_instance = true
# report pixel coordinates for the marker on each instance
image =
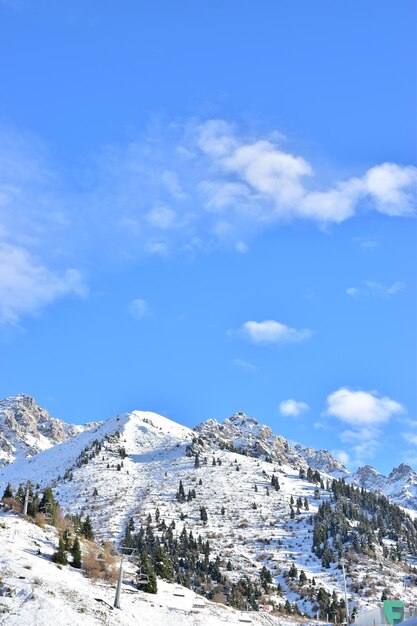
(198, 604)
(142, 579)
(48, 513)
(179, 592)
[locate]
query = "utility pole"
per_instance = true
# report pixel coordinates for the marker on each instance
(119, 584)
(342, 562)
(123, 552)
(27, 499)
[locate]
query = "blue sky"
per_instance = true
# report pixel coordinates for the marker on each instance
(209, 207)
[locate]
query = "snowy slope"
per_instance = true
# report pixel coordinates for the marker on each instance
(35, 591)
(26, 429)
(131, 465)
(246, 525)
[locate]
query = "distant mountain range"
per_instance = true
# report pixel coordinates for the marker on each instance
(265, 507)
(26, 429)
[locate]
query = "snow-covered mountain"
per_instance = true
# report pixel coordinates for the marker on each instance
(400, 486)
(259, 511)
(26, 429)
(322, 461)
(246, 435)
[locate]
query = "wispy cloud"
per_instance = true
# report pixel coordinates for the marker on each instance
(27, 286)
(179, 188)
(293, 408)
(366, 242)
(371, 288)
(273, 332)
(364, 442)
(271, 183)
(342, 456)
(246, 365)
(410, 437)
(139, 308)
(364, 412)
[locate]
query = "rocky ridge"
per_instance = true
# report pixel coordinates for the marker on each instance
(26, 429)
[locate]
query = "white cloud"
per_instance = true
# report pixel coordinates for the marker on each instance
(244, 364)
(392, 187)
(265, 175)
(27, 286)
(241, 247)
(372, 288)
(171, 181)
(293, 408)
(215, 137)
(410, 422)
(366, 242)
(139, 308)
(341, 456)
(269, 171)
(410, 437)
(161, 217)
(181, 188)
(361, 408)
(160, 248)
(364, 441)
(364, 412)
(273, 332)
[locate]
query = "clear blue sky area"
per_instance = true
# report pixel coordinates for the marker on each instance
(209, 207)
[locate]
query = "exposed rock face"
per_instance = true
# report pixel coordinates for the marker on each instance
(322, 461)
(400, 485)
(250, 437)
(26, 428)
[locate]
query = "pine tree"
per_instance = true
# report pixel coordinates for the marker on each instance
(67, 538)
(60, 556)
(180, 493)
(20, 494)
(49, 504)
(196, 462)
(87, 529)
(266, 578)
(76, 553)
(148, 570)
(8, 493)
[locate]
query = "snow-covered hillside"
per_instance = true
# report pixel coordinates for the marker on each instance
(251, 485)
(35, 591)
(26, 429)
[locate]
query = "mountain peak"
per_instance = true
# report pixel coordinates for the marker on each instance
(402, 471)
(322, 460)
(26, 428)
